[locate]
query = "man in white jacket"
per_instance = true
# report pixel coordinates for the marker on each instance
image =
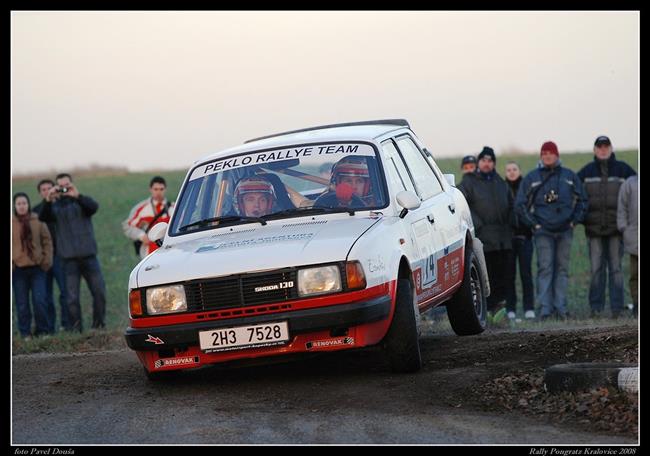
(146, 214)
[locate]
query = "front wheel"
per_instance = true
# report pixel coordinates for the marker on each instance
(467, 309)
(402, 343)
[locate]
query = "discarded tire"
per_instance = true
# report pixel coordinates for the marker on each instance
(582, 376)
(628, 379)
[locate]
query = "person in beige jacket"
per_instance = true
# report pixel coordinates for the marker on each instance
(31, 257)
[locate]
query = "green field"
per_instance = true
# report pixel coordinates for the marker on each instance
(117, 194)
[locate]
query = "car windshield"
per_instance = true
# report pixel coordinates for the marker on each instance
(263, 185)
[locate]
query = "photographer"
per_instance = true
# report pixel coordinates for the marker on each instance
(551, 201)
(76, 245)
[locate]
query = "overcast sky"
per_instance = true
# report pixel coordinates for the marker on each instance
(161, 89)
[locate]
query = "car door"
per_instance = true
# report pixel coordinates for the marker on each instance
(441, 261)
(425, 238)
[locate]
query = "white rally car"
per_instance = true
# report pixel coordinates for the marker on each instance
(328, 238)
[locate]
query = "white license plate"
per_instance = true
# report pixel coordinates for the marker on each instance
(264, 335)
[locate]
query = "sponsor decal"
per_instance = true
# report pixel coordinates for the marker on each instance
(330, 343)
(278, 286)
(176, 361)
(154, 340)
(308, 153)
(264, 240)
(376, 264)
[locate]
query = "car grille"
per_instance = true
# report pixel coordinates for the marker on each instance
(239, 291)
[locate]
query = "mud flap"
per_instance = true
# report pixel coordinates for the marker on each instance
(478, 251)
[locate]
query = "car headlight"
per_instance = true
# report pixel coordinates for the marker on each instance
(316, 281)
(164, 300)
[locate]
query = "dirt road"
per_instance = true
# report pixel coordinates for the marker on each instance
(351, 397)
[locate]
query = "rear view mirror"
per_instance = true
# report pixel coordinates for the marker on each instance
(408, 201)
(157, 233)
(451, 179)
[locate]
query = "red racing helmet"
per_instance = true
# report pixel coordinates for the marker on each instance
(352, 166)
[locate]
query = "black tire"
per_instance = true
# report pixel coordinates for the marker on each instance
(162, 376)
(401, 343)
(582, 376)
(467, 309)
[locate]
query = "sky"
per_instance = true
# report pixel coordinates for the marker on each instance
(158, 90)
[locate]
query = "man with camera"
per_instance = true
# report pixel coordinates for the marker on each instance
(56, 271)
(551, 201)
(602, 179)
(75, 240)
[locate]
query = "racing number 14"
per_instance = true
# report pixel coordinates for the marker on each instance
(430, 270)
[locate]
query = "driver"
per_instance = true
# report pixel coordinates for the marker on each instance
(353, 172)
(254, 197)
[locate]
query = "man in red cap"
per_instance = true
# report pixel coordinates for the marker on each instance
(551, 200)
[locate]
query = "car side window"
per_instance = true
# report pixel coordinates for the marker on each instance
(395, 167)
(425, 180)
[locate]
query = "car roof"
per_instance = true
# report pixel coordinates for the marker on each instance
(357, 131)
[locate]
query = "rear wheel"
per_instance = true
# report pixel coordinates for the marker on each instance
(401, 342)
(467, 309)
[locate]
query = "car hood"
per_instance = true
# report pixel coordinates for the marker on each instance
(253, 248)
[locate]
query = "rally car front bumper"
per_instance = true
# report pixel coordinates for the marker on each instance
(340, 316)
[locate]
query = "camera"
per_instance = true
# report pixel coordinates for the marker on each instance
(551, 197)
(62, 189)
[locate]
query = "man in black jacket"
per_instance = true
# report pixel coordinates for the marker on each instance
(491, 204)
(522, 253)
(75, 240)
(56, 271)
(602, 179)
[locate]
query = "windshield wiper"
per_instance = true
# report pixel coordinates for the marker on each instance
(229, 218)
(308, 210)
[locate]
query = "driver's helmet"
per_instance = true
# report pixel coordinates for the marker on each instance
(255, 184)
(355, 167)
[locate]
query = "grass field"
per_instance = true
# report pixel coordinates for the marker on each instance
(117, 194)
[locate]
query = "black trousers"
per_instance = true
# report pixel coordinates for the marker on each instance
(500, 275)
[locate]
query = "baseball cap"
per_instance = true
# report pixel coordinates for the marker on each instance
(602, 140)
(468, 159)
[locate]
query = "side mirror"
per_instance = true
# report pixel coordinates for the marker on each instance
(408, 201)
(451, 179)
(157, 233)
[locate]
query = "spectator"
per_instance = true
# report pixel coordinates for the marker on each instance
(602, 179)
(56, 271)
(71, 213)
(491, 205)
(551, 201)
(522, 250)
(146, 214)
(31, 257)
(468, 164)
(628, 223)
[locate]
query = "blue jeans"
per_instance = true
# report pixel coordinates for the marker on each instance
(606, 255)
(522, 251)
(23, 281)
(88, 267)
(553, 253)
(56, 273)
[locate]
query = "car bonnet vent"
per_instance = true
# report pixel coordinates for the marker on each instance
(233, 232)
(315, 222)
